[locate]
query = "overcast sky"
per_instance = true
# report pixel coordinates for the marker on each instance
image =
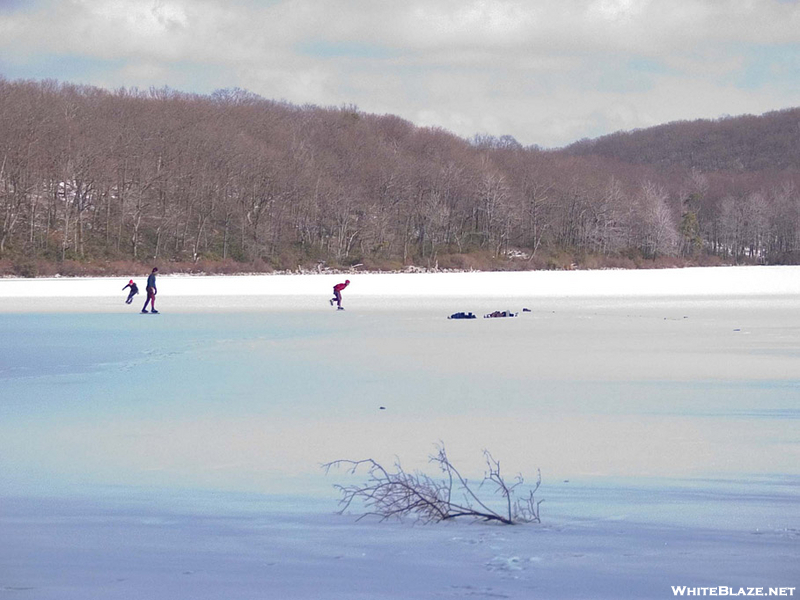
(548, 72)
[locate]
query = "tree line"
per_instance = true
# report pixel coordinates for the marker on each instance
(233, 181)
(746, 143)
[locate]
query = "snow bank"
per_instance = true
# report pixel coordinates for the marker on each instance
(705, 281)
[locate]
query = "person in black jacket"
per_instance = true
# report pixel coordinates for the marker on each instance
(133, 292)
(151, 292)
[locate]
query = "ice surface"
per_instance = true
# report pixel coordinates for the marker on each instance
(177, 455)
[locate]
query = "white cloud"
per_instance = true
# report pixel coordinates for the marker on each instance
(546, 72)
(139, 19)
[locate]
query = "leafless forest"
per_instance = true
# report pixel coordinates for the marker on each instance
(93, 181)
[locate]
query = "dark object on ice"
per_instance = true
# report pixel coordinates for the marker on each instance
(499, 313)
(382, 408)
(462, 315)
(526, 310)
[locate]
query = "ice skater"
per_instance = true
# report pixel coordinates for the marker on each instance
(151, 292)
(337, 294)
(133, 292)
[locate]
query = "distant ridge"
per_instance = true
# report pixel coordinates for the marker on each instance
(769, 142)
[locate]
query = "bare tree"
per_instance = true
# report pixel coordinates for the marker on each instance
(785, 223)
(656, 223)
(400, 493)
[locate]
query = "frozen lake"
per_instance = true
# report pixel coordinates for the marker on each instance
(178, 455)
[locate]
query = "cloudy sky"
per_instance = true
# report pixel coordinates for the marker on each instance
(548, 72)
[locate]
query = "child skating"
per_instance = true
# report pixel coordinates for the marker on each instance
(133, 292)
(337, 294)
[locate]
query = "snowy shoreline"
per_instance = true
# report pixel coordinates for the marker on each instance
(283, 291)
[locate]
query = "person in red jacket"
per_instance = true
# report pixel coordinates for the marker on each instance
(337, 293)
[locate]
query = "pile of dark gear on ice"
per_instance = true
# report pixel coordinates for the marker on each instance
(491, 315)
(500, 313)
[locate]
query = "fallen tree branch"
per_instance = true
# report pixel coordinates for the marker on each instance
(398, 493)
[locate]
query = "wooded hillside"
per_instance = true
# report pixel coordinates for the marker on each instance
(770, 142)
(99, 181)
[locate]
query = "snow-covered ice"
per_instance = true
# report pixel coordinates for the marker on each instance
(177, 456)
